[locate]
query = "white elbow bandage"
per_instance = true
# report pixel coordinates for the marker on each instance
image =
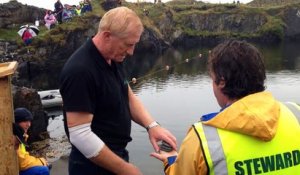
(87, 142)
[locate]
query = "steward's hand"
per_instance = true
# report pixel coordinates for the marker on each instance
(163, 156)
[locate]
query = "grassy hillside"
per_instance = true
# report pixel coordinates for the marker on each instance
(180, 10)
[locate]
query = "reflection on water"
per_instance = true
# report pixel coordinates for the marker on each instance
(178, 97)
(178, 103)
(285, 56)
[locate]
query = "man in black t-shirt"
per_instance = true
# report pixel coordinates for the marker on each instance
(58, 9)
(99, 105)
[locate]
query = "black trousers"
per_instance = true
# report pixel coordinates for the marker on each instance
(59, 17)
(79, 165)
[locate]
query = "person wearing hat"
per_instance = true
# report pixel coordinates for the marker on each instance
(28, 165)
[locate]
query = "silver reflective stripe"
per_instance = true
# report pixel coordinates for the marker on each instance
(295, 109)
(216, 150)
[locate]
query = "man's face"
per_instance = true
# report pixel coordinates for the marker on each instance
(25, 125)
(119, 48)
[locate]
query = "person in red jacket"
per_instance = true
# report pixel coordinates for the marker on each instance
(27, 37)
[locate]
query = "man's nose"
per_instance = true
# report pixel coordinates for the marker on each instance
(130, 50)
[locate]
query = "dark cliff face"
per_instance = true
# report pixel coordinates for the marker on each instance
(202, 27)
(15, 13)
(225, 22)
(150, 42)
(292, 23)
(198, 25)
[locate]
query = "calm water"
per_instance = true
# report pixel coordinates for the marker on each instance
(178, 97)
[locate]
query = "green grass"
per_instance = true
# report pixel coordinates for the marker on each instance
(9, 34)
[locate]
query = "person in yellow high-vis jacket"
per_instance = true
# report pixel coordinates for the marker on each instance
(28, 165)
(252, 134)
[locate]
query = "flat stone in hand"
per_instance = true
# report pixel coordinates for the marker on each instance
(165, 147)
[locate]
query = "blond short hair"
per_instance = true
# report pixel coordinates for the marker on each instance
(118, 20)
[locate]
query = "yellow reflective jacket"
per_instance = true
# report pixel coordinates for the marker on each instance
(256, 115)
(78, 12)
(27, 161)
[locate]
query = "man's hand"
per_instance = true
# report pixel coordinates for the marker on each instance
(113, 163)
(129, 169)
(159, 133)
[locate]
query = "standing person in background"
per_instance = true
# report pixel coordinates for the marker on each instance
(87, 6)
(50, 20)
(78, 10)
(58, 11)
(98, 102)
(252, 134)
(29, 165)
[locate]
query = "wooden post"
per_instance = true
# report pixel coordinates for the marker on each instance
(8, 159)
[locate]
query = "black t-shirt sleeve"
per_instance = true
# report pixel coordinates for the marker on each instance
(77, 90)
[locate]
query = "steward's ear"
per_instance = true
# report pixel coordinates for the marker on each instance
(222, 83)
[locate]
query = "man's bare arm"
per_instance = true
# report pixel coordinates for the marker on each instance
(105, 158)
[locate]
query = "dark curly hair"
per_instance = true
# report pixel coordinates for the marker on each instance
(240, 65)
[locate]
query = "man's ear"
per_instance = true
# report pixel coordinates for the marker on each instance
(106, 35)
